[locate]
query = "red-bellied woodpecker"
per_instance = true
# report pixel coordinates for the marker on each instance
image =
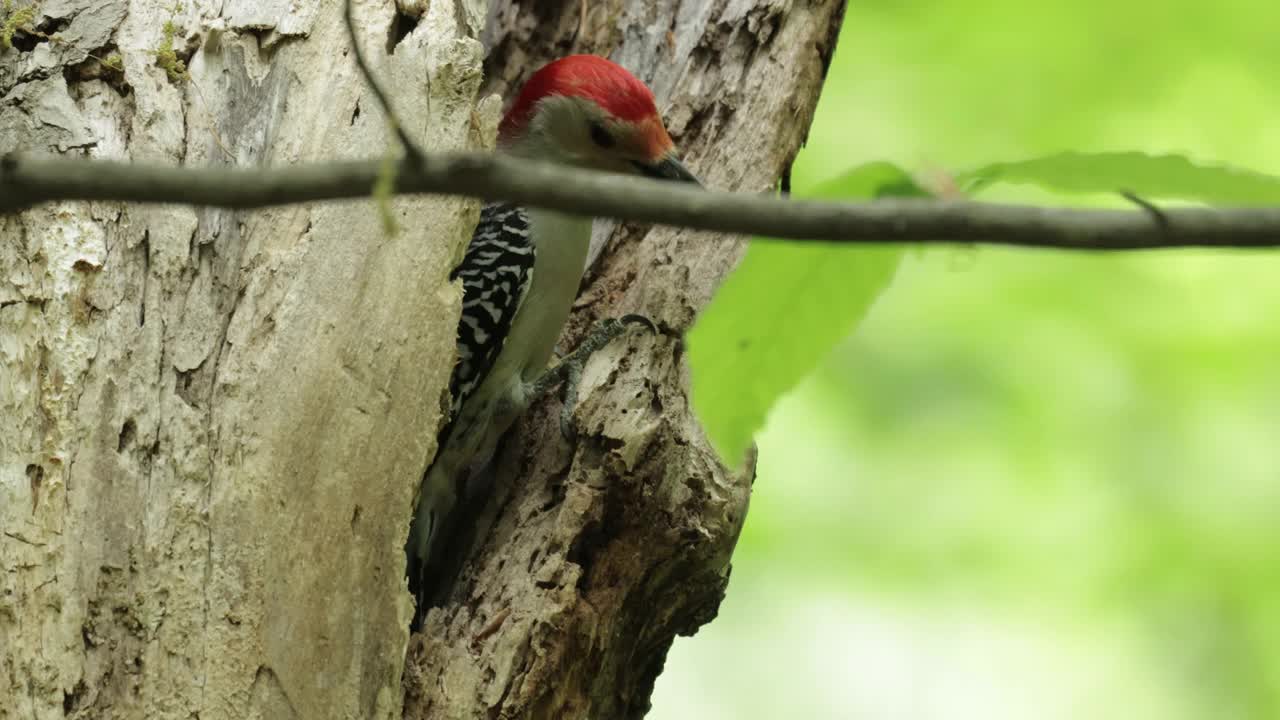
(522, 269)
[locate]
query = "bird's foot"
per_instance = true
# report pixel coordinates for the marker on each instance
(569, 369)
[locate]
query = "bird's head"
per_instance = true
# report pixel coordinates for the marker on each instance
(588, 111)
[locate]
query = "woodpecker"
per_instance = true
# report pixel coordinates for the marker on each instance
(521, 271)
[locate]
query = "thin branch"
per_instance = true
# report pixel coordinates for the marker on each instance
(26, 180)
(1155, 212)
(411, 148)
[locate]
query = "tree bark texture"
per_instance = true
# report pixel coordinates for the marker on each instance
(212, 422)
(589, 558)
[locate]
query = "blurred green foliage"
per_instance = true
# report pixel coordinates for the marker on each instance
(788, 304)
(1033, 484)
(1150, 176)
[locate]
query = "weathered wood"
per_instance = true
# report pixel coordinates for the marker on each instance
(592, 556)
(212, 422)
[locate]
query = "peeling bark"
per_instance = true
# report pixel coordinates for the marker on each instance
(212, 422)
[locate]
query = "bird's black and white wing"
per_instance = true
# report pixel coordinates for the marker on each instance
(496, 273)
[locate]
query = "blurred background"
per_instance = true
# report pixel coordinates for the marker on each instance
(1032, 485)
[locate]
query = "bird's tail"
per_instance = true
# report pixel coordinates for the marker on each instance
(427, 535)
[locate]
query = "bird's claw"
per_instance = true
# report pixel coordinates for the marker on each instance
(637, 319)
(571, 366)
(569, 401)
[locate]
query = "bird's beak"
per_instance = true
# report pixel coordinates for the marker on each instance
(668, 168)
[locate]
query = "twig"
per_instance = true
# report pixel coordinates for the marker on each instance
(1155, 212)
(411, 148)
(26, 180)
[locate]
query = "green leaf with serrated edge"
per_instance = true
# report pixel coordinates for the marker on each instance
(782, 311)
(1150, 176)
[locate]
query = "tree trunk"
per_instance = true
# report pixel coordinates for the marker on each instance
(212, 422)
(590, 558)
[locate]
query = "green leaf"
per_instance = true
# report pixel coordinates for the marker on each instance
(1150, 176)
(782, 311)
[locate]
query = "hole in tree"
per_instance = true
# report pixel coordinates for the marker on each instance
(127, 431)
(26, 36)
(401, 26)
(71, 700)
(35, 475)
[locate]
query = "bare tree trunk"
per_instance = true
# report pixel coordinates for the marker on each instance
(591, 558)
(212, 422)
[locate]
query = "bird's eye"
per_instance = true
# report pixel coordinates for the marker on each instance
(600, 136)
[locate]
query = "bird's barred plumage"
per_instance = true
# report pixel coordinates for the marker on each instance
(582, 111)
(496, 273)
